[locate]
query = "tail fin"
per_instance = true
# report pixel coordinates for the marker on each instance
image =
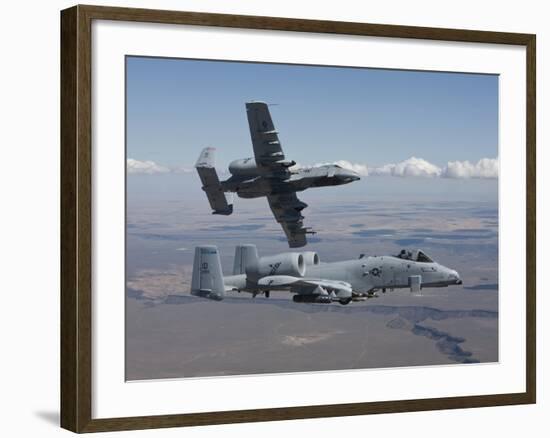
(211, 183)
(244, 256)
(207, 280)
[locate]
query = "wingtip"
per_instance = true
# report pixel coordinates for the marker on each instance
(225, 212)
(254, 103)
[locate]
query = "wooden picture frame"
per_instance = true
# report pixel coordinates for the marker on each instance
(76, 217)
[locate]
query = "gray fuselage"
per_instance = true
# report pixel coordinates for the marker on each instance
(368, 274)
(250, 181)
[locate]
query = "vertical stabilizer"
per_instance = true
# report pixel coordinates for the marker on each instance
(219, 201)
(207, 280)
(245, 255)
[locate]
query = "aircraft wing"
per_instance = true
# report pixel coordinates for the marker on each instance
(265, 139)
(306, 284)
(286, 208)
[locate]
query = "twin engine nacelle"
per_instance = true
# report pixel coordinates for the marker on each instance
(244, 167)
(247, 167)
(311, 258)
(293, 264)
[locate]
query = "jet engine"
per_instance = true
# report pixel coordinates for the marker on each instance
(244, 167)
(292, 264)
(310, 258)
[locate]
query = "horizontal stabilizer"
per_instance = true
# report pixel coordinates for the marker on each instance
(277, 280)
(219, 201)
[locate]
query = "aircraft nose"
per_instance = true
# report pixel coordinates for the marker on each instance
(346, 175)
(454, 277)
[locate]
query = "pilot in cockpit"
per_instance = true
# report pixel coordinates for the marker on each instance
(415, 256)
(404, 254)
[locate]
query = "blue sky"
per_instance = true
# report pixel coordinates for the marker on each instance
(176, 107)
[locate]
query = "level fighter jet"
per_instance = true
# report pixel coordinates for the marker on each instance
(311, 281)
(268, 174)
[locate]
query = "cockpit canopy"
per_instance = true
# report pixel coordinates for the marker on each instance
(415, 256)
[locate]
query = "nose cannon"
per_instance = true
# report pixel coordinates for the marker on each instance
(453, 277)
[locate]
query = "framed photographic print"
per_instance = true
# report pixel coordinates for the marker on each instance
(271, 218)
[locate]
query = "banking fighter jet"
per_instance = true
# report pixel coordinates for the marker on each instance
(268, 174)
(302, 274)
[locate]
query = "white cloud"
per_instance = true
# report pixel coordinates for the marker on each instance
(418, 167)
(182, 169)
(148, 167)
(411, 167)
(144, 167)
(484, 168)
